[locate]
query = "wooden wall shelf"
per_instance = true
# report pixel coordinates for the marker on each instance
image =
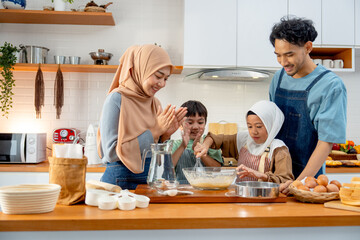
(346, 54)
(75, 68)
(56, 17)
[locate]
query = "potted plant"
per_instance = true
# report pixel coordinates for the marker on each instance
(7, 82)
(59, 5)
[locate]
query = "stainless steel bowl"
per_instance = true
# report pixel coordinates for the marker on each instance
(257, 189)
(33, 54)
(101, 55)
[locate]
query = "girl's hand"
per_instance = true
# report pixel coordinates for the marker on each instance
(200, 150)
(284, 187)
(243, 171)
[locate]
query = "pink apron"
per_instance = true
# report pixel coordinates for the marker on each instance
(253, 162)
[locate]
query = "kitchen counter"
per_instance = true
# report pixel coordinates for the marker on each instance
(42, 167)
(183, 216)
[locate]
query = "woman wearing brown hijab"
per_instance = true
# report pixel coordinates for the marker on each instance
(132, 118)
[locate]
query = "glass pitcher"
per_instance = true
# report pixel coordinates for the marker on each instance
(161, 172)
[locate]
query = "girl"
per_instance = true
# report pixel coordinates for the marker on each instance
(260, 156)
(132, 117)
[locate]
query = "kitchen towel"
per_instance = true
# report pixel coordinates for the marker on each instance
(70, 174)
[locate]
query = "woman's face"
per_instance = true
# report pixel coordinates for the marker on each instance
(156, 81)
(257, 129)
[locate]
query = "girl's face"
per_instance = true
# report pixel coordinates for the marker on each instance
(196, 124)
(257, 129)
(156, 81)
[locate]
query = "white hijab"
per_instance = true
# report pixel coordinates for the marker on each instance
(273, 118)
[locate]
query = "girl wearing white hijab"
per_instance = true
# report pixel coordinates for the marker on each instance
(260, 156)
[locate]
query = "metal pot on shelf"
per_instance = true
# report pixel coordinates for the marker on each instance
(32, 54)
(101, 57)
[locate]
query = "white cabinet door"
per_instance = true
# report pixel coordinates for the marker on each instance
(255, 21)
(338, 22)
(210, 32)
(301, 9)
(357, 23)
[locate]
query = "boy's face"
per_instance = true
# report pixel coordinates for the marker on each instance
(257, 129)
(196, 124)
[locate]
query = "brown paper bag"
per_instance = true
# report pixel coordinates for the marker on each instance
(70, 174)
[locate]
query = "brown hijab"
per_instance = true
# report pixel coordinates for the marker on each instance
(138, 110)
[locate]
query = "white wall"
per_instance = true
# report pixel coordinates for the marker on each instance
(137, 22)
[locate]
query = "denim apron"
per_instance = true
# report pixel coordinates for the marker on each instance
(298, 131)
(118, 174)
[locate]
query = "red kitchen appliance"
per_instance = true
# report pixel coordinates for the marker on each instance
(66, 135)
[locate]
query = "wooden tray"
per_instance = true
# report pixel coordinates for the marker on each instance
(202, 196)
(339, 205)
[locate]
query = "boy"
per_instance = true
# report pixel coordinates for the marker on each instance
(192, 131)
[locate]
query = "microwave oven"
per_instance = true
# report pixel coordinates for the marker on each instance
(22, 147)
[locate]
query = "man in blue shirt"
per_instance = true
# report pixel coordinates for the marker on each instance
(312, 98)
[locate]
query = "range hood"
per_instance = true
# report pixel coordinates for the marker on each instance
(228, 74)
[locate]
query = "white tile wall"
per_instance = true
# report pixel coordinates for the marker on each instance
(137, 22)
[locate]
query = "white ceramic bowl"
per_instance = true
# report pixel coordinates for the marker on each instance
(126, 203)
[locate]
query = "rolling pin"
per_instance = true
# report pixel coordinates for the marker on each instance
(94, 184)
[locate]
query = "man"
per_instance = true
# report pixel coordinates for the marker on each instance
(312, 98)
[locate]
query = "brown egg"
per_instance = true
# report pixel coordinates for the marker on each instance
(302, 187)
(311, 183)
(309, 179)
(332, 188)
(322, 180)
(297, 183)
(336, 182)
(320, 188)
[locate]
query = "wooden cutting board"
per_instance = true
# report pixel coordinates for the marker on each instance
(339, 205)
(203, 196)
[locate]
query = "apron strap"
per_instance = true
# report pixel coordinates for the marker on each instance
(280, 77)
(316, 80)
(262, 161)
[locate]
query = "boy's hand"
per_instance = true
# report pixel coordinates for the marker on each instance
(198, 138)
(185, 134)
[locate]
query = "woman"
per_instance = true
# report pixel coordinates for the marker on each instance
(132, 118)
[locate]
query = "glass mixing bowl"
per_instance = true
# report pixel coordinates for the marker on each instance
(210, 178)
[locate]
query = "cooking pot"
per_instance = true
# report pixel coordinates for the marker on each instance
(32, 54)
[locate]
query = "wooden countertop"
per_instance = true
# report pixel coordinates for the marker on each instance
(42, 167)
(183, 216)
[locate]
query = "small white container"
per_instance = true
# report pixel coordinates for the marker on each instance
(107, 203)
(142, 201)
(126, 203)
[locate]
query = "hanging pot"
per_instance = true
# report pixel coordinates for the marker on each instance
(32, 54)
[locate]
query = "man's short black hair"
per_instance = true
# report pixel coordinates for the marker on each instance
(294, 30)
(195, 107)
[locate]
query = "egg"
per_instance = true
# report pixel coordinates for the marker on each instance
(304, 188)
(311, 183)
(322, 180)
(309, 179)
(297, 183)
(337, 183)
(332, 188)
(320, 189)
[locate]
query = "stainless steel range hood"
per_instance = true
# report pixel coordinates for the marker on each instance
(229, 74)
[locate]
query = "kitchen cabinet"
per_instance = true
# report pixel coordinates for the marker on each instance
(338, 22)
(56, 17)
(333, 53)
(210, 32)
(357, 23)
(302, 9)
(253, 30)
